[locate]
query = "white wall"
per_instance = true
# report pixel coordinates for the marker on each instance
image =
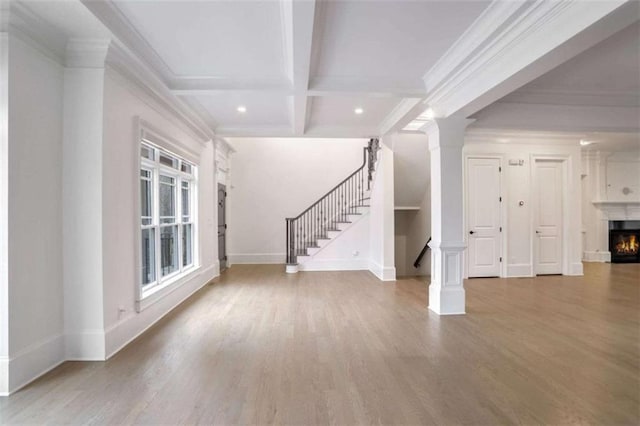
(35, 292)
(69, 187)
(348, 252)
(411, 167)
(122, 105)
(411, 181)
(412, 230)
(276, 178)
(623, 172)
(4, 219)
(517, 181)
(604, 176)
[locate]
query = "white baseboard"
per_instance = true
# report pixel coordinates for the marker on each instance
(519, 270)
(383, 273)
(88, 345)
(120, 334)
(334, 265)
(4, 376)
(30, 363)
(576, 269)
(446, 300)
(597, 256)
(258, 258)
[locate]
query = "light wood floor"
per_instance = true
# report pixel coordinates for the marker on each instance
(261, 347)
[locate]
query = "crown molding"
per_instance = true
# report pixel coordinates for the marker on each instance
(223, 145)
(196, 85)
(401, 115)
(112, 17)
(528, 116)
(510, 38)
(86, 53)
(20, 21)
(370, 87)
(574, 97)
(132, 68)
(505, 136)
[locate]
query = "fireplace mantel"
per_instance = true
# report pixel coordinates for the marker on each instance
(619, 210)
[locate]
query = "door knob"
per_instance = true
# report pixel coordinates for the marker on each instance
(471, 232)
(537, 232)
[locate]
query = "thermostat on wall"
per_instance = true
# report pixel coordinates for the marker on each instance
(516, 162)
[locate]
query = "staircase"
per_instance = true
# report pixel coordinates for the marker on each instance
(328, 217)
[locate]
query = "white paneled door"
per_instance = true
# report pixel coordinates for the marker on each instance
(547, 220)
(483, 217)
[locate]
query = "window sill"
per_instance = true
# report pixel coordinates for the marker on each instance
(159, 292)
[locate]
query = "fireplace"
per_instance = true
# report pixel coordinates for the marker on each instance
(624, 242)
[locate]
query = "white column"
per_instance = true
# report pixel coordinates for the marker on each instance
(4, 209)
(82, 199)
(446, 291)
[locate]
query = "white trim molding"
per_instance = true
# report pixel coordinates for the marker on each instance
(619, 210)
(39, 357)
(597, 256)
(512, 43)
(334, 265)
(446, 290)
(383, 273)
(257, 258)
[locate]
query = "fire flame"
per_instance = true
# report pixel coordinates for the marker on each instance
(627, 245)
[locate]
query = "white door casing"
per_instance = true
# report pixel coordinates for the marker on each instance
(547, 217)
(484, 224)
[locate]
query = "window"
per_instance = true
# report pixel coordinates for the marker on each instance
(167, 220)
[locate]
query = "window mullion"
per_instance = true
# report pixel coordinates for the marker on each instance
(156, 222)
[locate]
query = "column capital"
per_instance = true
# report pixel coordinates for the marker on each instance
(446, 131)
(86, 53)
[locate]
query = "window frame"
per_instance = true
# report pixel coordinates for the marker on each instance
(157, 169)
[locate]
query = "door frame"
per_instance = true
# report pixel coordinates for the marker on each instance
(226, 260)
(503, 211)
(565, 161)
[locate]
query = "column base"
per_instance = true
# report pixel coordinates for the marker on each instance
(446, 301)
(292, 269)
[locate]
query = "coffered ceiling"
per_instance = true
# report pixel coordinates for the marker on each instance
(361, 68)
(296, 67)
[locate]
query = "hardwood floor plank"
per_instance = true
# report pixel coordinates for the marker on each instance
(263, 347)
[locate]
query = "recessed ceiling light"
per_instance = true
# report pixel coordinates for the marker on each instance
(358, 111)
(585, 143)
(428, 114)
(242, 109)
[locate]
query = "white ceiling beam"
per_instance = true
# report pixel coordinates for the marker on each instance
(367, 87)
(298, 20)
(213, 85)
(513, 43)
(112, 18)
(581, 118)
(401, 115)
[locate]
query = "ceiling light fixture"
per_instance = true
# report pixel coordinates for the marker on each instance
(585, 143)
(242, 109)
(358, 110)
(428, 114)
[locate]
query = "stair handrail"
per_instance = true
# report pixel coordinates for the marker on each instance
(364, 163)
(416, 264)
(370, 157)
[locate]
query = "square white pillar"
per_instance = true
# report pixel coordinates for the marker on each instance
(446, 139)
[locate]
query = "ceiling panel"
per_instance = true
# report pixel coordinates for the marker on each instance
(394, 40)
(262, 110)
(212, 38)
(339, 111)
(611, 66)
